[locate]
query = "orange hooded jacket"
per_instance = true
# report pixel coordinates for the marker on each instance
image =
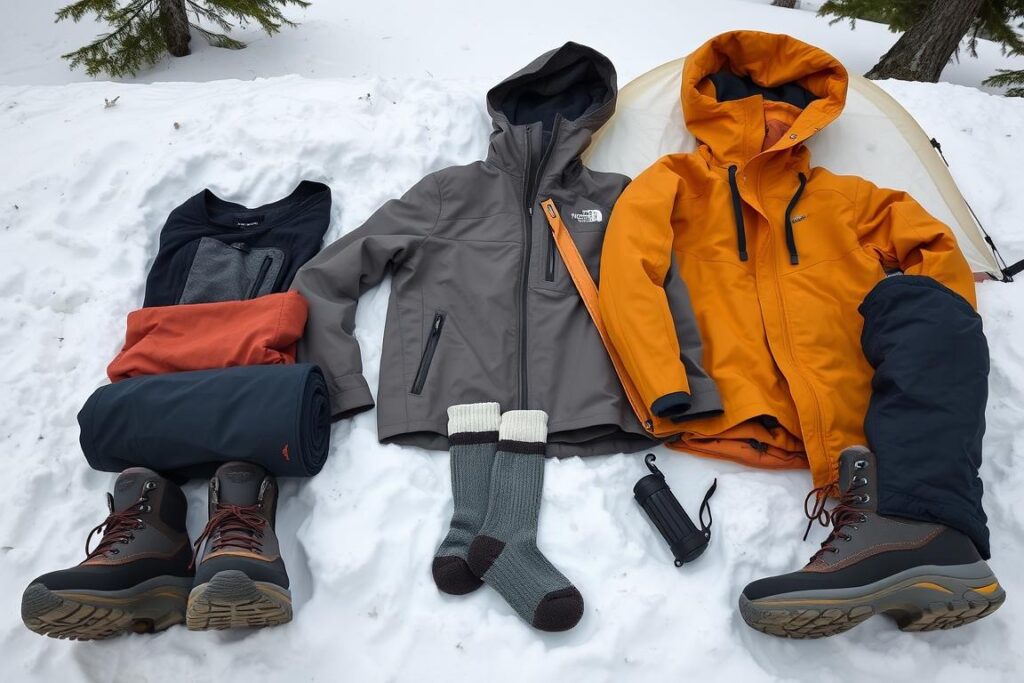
(777, 256)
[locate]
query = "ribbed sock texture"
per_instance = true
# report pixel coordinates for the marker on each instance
(505, 552)
(473, 434)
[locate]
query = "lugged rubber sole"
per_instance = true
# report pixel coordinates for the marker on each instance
(93, 615)
(918, 603)
(230, 599)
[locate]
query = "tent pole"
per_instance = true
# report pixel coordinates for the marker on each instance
(1007, 271)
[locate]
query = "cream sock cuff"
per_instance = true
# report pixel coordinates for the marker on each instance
(524, 426)
(474, 417)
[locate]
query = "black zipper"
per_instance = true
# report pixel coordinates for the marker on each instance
(549, 272)
(428, 353)
(524, 276)
(260, 277)
(529, 195)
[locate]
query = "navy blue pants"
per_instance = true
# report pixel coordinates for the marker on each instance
(926, 418)
(184, 424)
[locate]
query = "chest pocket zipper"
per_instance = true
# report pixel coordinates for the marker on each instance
(428, 354)
(260, 277)
(549, 272)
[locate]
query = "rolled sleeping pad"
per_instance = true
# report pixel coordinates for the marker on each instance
(184, 424)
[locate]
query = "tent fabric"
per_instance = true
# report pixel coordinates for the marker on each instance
(875, 138)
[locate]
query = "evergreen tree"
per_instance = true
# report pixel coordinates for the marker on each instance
(933, 30)
(143, 30)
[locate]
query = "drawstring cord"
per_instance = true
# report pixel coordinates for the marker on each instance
(737, 209)
(794, 258)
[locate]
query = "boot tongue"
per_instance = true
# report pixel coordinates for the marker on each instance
(130, 486)
(239, 483)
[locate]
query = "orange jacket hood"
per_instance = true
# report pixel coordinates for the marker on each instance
(743, 88)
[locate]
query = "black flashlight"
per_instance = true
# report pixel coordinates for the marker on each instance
(686, 541)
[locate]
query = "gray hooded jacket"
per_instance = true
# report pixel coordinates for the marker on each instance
(482, 307)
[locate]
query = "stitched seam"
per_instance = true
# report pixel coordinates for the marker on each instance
(875, 550)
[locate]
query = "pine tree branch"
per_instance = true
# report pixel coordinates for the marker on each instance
(219, 39)
(140, 6)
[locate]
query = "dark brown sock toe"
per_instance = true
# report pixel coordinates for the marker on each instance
(559, 610)
(452, 576)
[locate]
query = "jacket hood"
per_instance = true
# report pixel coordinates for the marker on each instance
(748, 92)
(566, 93)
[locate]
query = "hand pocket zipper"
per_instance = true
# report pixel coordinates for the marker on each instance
(428, 354)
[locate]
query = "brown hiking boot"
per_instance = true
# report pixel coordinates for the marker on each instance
(925, 576)
(136, 579)
(241, 579)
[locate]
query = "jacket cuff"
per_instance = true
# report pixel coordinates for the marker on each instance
(350, 395)
(672, 405)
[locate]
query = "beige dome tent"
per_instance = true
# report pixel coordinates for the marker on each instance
(874, 138)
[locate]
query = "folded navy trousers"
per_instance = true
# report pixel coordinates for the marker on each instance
(927, 412)
(184, 424)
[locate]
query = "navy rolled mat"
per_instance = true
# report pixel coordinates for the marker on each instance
(184, 424)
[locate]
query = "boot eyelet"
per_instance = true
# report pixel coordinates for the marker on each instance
(146, 508)
(865, 498)
(115, 551)
(150, 485)
(859, 481)
(860, 464)
(863, 519)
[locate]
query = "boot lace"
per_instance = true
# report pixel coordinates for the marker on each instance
(118, 527)
(236, 526)
(817, 512)
(844, 515)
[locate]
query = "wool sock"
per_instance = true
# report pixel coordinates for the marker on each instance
(473, 435)
(504, 553)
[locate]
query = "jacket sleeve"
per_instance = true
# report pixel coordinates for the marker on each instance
(907, 237)
(635, 261)
(333, 281)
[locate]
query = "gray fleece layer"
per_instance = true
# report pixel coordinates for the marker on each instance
(482, 307)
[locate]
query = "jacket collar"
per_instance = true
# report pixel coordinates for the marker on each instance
(548, 111)
(739, 84)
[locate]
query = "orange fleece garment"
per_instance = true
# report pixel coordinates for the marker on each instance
(161, 339)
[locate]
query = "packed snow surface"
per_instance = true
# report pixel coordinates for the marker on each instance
(83, 197)
(84, 190)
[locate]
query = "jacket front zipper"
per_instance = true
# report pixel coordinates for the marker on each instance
(260, 277)
(428, 354)
(530, 181)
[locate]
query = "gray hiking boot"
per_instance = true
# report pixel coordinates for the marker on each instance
(136, 579)
(240, 579)
(925, 576)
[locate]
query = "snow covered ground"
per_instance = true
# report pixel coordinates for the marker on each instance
(83, 193)
(457, 39)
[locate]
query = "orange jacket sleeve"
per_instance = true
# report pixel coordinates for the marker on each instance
(907, 237)
(635, 261)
